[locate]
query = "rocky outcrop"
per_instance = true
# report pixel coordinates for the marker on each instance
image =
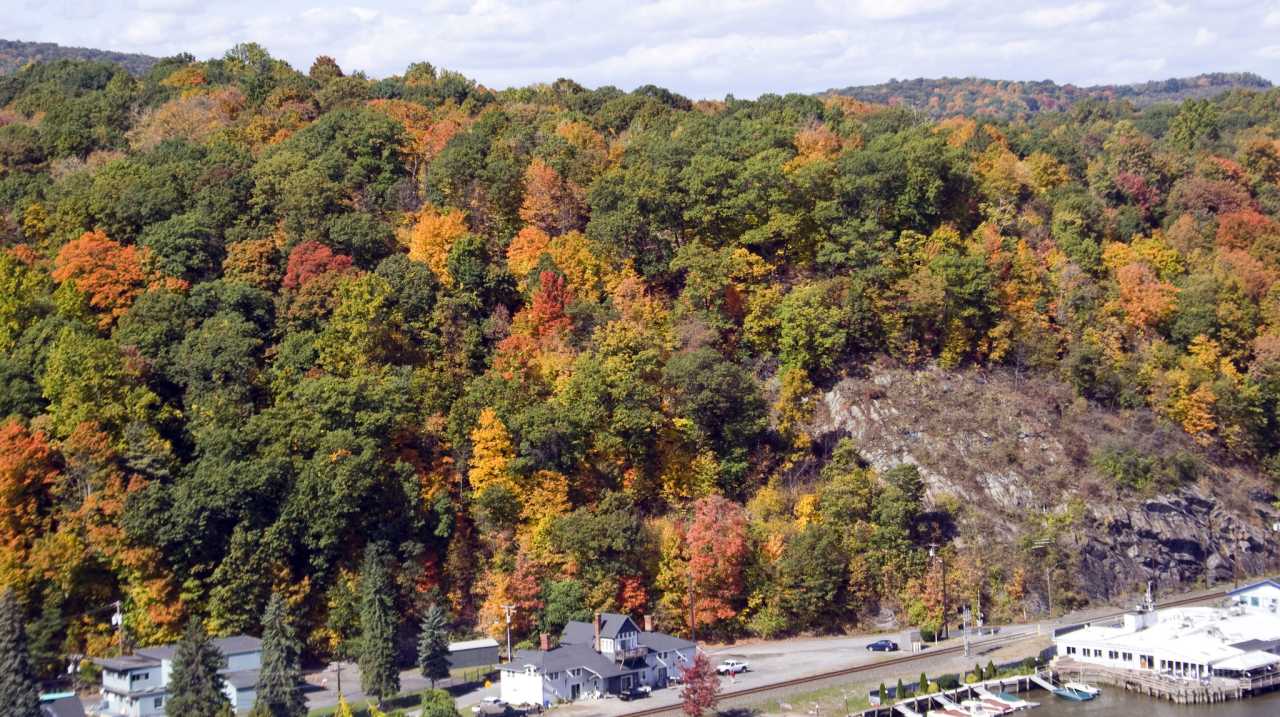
(1015, 450)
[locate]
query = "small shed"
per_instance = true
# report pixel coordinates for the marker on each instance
(1263, 596)
(473, 653)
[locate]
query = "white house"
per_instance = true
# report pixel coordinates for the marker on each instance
(1190, 642)
(608, 656)
(1262, 596)
(136, 685)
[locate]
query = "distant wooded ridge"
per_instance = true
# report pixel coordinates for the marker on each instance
(940, 97)
(16, 54)
(1010, 99)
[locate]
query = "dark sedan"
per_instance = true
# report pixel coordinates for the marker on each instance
(883, 646)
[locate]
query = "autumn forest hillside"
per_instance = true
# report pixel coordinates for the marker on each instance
(567, 348)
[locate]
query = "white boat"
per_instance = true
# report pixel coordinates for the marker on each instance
(1084, 687)
(1013, 702)
(982, 708)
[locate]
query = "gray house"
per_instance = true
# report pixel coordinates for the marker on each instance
(606, 656)
(136, 685)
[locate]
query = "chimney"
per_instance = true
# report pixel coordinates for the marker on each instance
(648, 623)
(596, 644)
(545, 642)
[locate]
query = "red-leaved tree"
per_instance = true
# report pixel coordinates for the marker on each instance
(311, 259)
(718, 554)
(701, 687)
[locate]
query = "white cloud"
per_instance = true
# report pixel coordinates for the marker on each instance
(1272, 19)
(1048, 17)
(1204, 36)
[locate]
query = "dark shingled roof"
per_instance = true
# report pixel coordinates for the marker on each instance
(235, 645)
(242, 679)
(124, 663)
(611, 624)
(565, 657)
(62, 707)
(661, 641)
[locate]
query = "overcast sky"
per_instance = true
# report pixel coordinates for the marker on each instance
(702, 48)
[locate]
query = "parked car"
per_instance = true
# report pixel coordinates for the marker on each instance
(732, 667)
(638, 692)
(883, 646)
(492, 707)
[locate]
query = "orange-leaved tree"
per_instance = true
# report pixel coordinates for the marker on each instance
(109, 274)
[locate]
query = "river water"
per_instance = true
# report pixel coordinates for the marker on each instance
(1115, 702)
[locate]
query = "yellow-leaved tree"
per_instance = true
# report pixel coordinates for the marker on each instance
(430, 237)
(491, 453)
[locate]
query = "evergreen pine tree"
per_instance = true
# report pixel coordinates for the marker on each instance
(378, 674)
(195, 687)
(278, 693)
(900, 691)
(924, 684)
(433, 645)
(19, 694)
(45, 635)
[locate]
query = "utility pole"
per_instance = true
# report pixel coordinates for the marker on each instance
(1044, 544)
(1235, 559)
(693, 613)
(507, 610)
(935, 552)
(118, 620)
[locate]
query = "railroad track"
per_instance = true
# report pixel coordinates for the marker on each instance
(842, 672)
(903, 660)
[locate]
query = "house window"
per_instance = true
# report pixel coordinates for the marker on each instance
(575, 672)
(1071, 650)
(1112, 654)
(139, 676)
(1128, 656)
(158, 702)
(553, 675)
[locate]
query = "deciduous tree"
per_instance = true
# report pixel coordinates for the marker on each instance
(701, 688)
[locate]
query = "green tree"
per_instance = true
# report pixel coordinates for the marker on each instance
(433, 645)
(19, 693)
(195, 687)
(279, 682)
(378, 674)
(438, 703)
(812, 574)
(562, 602)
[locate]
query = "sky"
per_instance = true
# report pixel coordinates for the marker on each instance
(700, 48)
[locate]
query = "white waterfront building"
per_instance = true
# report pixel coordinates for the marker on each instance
(1239, 640)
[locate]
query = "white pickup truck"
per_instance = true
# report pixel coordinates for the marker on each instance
(731, 667)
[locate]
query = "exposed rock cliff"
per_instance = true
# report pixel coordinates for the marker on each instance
(1021, 455)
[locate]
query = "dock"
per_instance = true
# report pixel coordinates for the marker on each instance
(1180, 690)
(919, 705)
